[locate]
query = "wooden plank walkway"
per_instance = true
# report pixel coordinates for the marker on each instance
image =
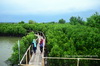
(36, 59)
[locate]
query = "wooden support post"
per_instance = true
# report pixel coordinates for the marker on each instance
(78, 61)
(29, 54)
(43, 62)
(26, 58)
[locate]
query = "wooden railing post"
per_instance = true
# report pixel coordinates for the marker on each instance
(26, 58)
(43, 62)
(29, 54)
(78, 61)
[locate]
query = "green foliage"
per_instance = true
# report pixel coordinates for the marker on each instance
(51, 22)
(72, 40)
(62, 21)
(12, 29)
(22, 22)
(76, 20)
(31, 22)
(24, 44)
(94, 20)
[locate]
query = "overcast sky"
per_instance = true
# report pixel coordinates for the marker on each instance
(46, 10)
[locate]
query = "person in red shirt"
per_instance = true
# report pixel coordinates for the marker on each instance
(41, 45)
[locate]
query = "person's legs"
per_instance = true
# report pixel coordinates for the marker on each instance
(34, 49)
(41, 49)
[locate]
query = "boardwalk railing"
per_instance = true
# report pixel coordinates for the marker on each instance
(78, 59)
(27, 56)
(43, 62)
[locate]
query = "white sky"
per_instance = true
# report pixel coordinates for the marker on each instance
(47, 6)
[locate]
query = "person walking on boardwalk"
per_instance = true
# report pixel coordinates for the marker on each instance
(34, 45)
(41, 45)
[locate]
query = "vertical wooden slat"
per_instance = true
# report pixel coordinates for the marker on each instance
(43, 62)
(29, 54)
(43, 53)
(26, 58)
(78, 62)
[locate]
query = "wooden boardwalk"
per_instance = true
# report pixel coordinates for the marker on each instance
(36, 59)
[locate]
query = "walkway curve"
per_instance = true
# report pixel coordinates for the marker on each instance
(36, 60)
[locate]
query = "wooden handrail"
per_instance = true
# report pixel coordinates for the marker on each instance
(43, 54)
(25, 54)
(43, 62)
(78, 59)
(71, 58)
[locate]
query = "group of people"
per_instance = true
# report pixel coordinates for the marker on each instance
(34, 44)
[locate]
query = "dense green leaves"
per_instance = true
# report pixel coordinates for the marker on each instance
(31, 22)
(24, 44)
(12, 29)
(22, 22)
(76, 20)
(94, 20)
(62, 21)
(72, 40)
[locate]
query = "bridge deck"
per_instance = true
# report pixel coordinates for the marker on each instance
(36, 59)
